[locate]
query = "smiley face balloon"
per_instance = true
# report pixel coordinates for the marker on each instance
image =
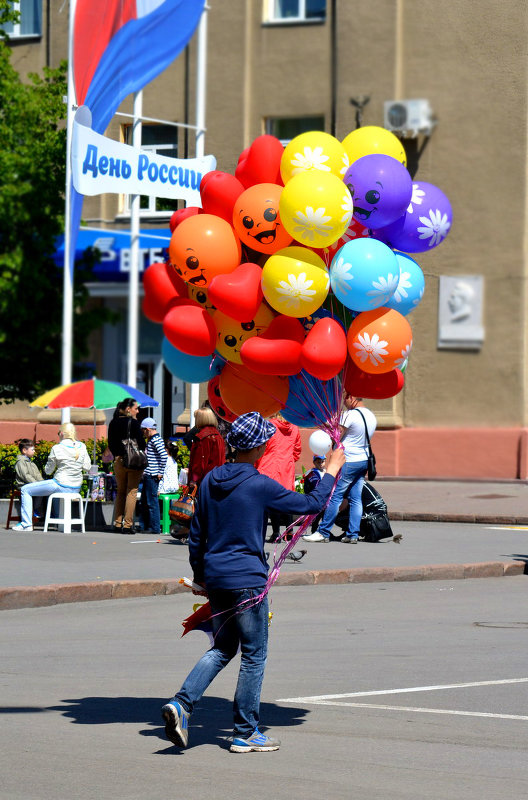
(257, 221)
(203, 246)
(232, 334)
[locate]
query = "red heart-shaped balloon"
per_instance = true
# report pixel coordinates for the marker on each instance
(271, 356)
(325, 349)
(162, 286)
(260, 163)
(219, 193)
(375, 386)
(239, 293)
(283, 327)
(189, 327)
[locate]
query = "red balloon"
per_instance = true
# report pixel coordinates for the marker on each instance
(219, 194)
(262, 162)
(162, 285)
(277, 351)
(189, 327)
(375, 386)
(271, 356)
(239, 293)
(216, 402)
(325, 349)
(181, 214)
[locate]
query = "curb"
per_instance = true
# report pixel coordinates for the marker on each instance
(15, 597)
(479, 519)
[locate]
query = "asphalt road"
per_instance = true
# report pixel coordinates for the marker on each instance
(82, 685)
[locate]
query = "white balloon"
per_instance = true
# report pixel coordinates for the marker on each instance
(320, 443)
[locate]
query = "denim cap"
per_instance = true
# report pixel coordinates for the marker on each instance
(249, 431)
(149, 422)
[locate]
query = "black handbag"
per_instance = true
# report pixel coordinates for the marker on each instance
(132, 457)
(375, 527)
(371, 458)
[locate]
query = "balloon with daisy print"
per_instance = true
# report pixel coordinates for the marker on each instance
(313, 150)
(315, 208)
(379, 340)
(425, 224)
(411, 286)
(295, 281)
(364, 274)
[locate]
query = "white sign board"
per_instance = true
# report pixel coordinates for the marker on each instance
(101, 165)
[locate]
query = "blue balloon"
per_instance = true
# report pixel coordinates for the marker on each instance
(191, 369)
(364, 274)
(311, 401)
(410, 288)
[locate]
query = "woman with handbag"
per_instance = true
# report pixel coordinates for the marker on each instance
(124, 426)
(357, 425)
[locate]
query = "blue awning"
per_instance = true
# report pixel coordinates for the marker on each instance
(114, 247)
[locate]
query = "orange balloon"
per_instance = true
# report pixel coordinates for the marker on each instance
(257, 221)
(203, 246)
(243, 390)
(379, 340)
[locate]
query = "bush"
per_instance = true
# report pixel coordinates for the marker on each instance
(10, 452)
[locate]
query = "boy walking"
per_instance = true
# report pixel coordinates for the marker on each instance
(157, 461)
(226, 553)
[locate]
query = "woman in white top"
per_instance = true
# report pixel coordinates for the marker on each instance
(351, 479)
(67, 460)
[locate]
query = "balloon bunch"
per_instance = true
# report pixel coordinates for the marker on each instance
(294, 276)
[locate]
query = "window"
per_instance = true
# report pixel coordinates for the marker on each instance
(30, 22)
(296, 10)
(287, 128)
(163, 140)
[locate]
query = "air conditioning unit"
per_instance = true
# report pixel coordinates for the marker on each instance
(408, 117)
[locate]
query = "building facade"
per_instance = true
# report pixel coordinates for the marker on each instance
(285, 67)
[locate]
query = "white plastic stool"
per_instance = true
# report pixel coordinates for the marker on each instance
(66, 520)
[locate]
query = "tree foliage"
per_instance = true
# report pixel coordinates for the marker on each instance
(32, 166)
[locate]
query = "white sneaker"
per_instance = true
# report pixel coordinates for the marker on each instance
(20, 527)
(315, 537)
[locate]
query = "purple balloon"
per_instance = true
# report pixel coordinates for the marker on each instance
(381, 189)
(424, 226)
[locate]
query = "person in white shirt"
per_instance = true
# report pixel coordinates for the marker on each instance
(68, 460)
(351, 479)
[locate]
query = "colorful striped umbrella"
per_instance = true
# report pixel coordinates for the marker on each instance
(92, 393)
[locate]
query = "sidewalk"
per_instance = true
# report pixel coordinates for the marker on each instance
(48, 568)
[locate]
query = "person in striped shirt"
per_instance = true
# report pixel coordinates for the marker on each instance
(157, 460)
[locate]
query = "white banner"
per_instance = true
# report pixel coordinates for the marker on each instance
(101, 165)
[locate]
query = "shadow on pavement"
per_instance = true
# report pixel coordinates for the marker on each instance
(211, 722)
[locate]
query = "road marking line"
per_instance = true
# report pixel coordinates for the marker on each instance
(420, 710)
(317, 698)
(507, 527)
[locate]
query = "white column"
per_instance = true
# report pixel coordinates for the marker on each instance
(201, 74)
(133, 278)
(67, 278)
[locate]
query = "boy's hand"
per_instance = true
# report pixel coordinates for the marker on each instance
(197, 592)
(336, 461)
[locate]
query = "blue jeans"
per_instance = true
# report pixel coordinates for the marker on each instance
(233, 628)
(150, 510)
(350, 485)
(38, 489)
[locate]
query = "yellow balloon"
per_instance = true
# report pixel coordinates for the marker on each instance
(371, 140)
(315, 208)
(231, 334)
(314, 150)
(295, 281)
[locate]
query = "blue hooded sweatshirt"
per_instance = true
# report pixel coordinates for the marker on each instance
(226, 540)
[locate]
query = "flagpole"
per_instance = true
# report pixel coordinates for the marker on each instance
(67, 278)
(133, 278)
(201, 88)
